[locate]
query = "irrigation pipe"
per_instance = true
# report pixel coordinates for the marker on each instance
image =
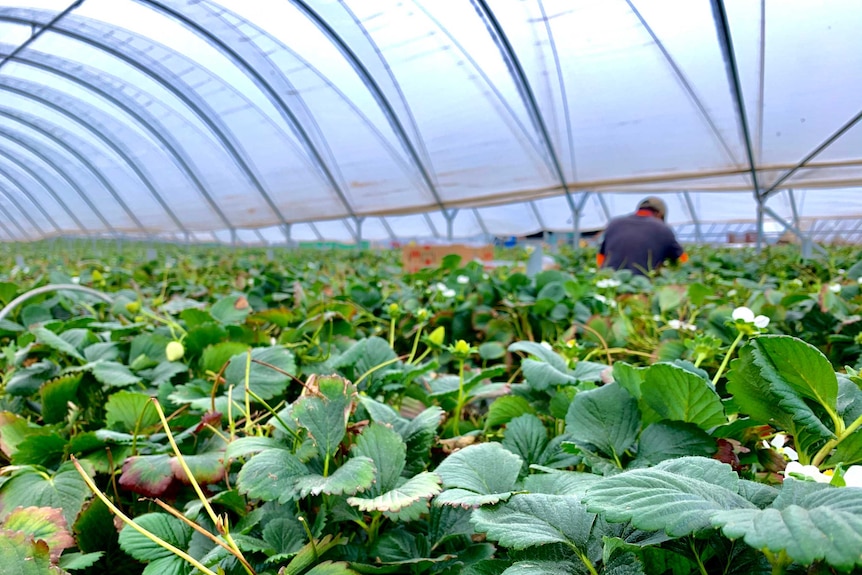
(48, 288)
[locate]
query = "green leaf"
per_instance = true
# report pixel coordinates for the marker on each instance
(13, 430)
(75, 561)
(771, 400)
(45, 523)
(114, 374)
(325, 416)
(540, 567)
(491, 350)
(27, 380)
(478, 475)
(129, 411)
(678, 496)
(107, 351)
(526, 437)
(231, 310)
(50, 339)
(821, 523)
(363, 356)
(550, 371)
(22, 556)
(357, 474)
(263, 381)
(45, 449)
(629, 377)
(679, 395)
(422, 486)
(56, 394)
(330, 568)
(530, 520)
(606, 417)
(671, 439)
(506, 408)
(166, 527)
(285, 535)
(798, 364)
(29, 487)
(387, 450)
(214, 357)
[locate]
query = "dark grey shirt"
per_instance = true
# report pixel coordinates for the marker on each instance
(639, 243)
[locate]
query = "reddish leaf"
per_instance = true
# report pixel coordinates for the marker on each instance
(726, 454)
(148, 475)
(42, 524)
(209, 418)
(207, 468)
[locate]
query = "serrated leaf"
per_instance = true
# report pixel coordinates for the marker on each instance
(387, 450)
(29, 487)
(214, 357)
(539, 567)
(114, 374)
(357, 474)
(13, 430)
(130, 412)
(27, 380)
(165, 526)
(677, 394)
(55, 397)
(771, 400)
(606, 417)
(549, 372)
(107, 351)
(45, 523)
(531, 520)
(798, 364)
(285, 535)
(671, 439)
(243, 446)
(330, 568)
(45, 449)
(573, 483)
(231, 310)
(325, 415)
(50, 339)
(22, 556)
(422, 486)
(677, 496)
(270, 474)
(163, 372)
(478, 475)
(527, 437)
(505, 409)
(148, 475)
(822, 524)
(263, 381)
(75, 561)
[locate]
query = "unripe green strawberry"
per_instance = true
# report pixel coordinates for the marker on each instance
(174, 351)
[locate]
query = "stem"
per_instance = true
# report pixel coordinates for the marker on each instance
(824, 451)
(585, 560)
(392, 333)
(128, 521)
(616, 458)
(219, 523)
(247, 398)
(726, 360)
(415, 344)
(697, 558)
(460, 405)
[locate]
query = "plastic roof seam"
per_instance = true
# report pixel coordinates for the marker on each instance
(36, 33)
(48, 188)
(22, 211)
(272, 94)
(196, 104)
(62, 173)
(11, 219)
(151, 124)
(38, 205)
(379, 96)
(116, 147)
(103, 180)
(529, 99)
(686, 84)
(726, 41)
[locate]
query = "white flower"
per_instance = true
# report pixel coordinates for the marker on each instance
(806, 471)
(607, 283)
(835, 288)
(600, 298)
(448, 293)
(546, 345)
(656, 317)
(674, 324)
(746, 315)
(463, 280)
(76, 280)
(853, 476)
(778, 444)
(612, 303)
(859, 280)
(441, 286)
(731, 293)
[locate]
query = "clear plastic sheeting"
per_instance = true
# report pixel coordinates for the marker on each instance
(272, 121)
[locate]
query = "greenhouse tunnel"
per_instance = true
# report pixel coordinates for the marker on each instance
(281, 121)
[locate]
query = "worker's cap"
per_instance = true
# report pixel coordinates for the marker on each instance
(655, 204)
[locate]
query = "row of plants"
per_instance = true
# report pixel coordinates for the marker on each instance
(251, 412)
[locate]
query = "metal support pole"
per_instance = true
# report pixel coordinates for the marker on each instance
(358, 221)
(759, 243)
(450, 222)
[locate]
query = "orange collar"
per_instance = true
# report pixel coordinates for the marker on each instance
(645, 213)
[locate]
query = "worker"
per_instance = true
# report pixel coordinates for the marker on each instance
(640, 242)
